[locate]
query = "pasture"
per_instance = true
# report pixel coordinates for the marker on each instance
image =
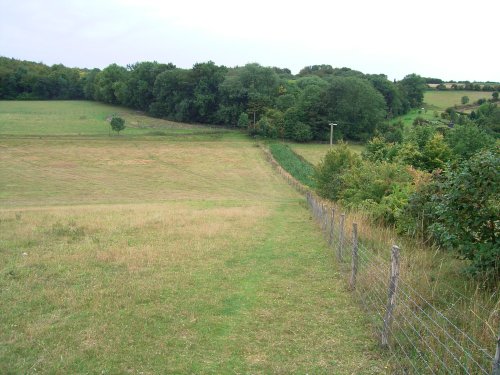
(82, 118)
(440, 100)
(172, 248)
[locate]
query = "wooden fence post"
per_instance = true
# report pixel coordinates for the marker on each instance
(496, 360)
(393, 285)
(332, 227)
(324, 217)
(354, 262)
(341, 238)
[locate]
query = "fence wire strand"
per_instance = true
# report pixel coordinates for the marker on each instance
(413, 324)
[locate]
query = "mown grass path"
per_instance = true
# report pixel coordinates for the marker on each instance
(160, 255)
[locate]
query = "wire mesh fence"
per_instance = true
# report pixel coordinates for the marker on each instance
(423, 337)
(438, 333)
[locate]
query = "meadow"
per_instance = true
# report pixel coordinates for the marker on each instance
(172, 248)
(440, 100)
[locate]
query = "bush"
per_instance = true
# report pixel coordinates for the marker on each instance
(435, 153)
(329, 172)
(467, 211)
(382, 189)
(263, 128)
(378, 149)
(302, 132)
(243, 120)
(466, 140)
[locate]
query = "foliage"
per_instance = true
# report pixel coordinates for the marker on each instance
(381, 185)
(436, 153)
(377, 149)
(355, 105)
(263, 128)
(117, 124)
(329, 172)
(297, 166)
(243, 120)
(466, 140)
(467, 211)
(392, 94)
(413, 86)
(35, 81)
(391, 132)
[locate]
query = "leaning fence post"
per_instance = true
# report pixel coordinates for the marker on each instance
(341, 238)
(496, 360)
(393, 285)
(354, 261)
(332, 227)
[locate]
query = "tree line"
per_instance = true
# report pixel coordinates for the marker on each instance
(268, 101)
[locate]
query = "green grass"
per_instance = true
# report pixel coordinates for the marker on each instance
(315, 152)
(143, 254)
(440, 100)
(426, 114)
(83, 118)
(298, 167)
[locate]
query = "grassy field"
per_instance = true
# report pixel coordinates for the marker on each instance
(175, 253)
(440, 100)
(314, 152)
(77, 118)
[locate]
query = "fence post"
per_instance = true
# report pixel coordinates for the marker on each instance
(324, 217)
(354, 262)
(393, 285)
(341, 238)
(332, 227)
(496, 360)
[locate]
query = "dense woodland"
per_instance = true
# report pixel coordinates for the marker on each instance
(437, 180)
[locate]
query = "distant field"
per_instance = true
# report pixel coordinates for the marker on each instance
(314, 152)
(39, 118)
(440, 100)
(146, 254)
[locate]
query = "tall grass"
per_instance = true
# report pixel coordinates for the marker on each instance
(294, 164)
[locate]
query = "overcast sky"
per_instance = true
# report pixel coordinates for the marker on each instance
(440, 38)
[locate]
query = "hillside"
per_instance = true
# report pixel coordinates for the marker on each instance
(167, 249)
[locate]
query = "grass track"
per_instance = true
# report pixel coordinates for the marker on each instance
(138, 254)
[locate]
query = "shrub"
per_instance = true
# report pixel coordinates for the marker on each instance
(435, 153)
(378, 149)
(302, 132)
(243, 120)
(328, 175)
(263, 128)
(380, 188)
(465, 140)
(466, 213)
